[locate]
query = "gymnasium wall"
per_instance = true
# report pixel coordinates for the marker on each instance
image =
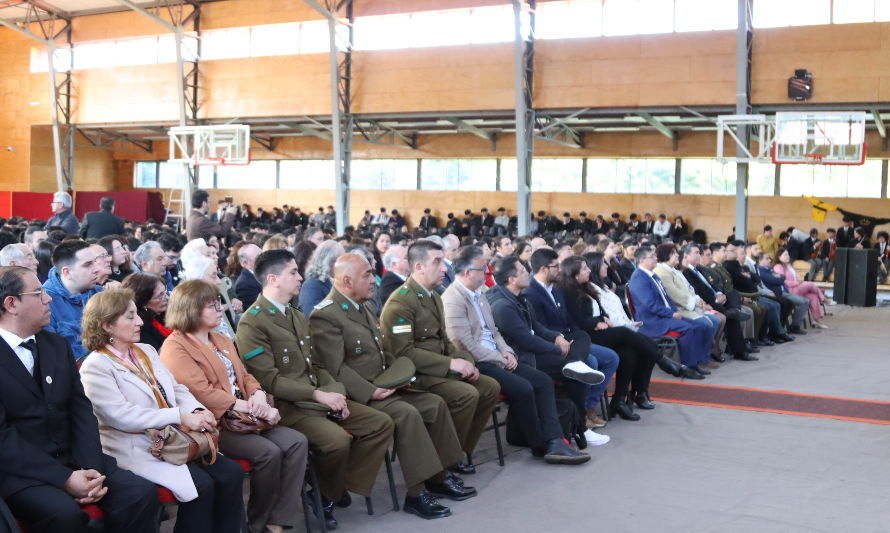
(850, 62)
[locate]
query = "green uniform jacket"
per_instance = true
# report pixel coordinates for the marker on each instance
(277, 350)
(413, 324)
(349, 345)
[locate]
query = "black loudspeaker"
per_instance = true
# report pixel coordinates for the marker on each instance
(800, 86)
(856, 277)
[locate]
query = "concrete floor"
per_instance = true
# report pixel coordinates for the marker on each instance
(700, 469)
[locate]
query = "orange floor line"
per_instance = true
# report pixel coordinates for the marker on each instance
(776, 411)
(751, 389)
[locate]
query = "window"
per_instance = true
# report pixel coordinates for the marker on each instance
(225, 44)
(171, 175)
(94, 55)
(145, 174)
(707, 176)
(774, 14)
(630, 17)
(380, 33)
(556, 175)
(564, 20)
(702, 15)
(761, 179)
(384, 174)
(275, 39)
(458, 174)
(256, 175)
(140, 51)
(314, 37)
(602, 175)
(854, 11)
(306, 174)
(862, 181)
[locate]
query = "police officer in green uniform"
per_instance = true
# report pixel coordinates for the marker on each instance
(413, 322)
(349, 439)
(349, 345)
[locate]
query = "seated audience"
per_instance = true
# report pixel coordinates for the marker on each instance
(775, 282)
(120, 256)
(532, 419)
(247, 287)
(204, 268)
(318, 274)
(550, 308)
(151, 298)
(132, 392)
(71, 282)
(807, 289)
(209, 365)
(395, 261)
(659, 315)
(52, 460)
(18, 255)
(637, 354)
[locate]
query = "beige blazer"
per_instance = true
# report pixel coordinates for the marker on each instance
(679, 290)
(464, 329)
(125, 407)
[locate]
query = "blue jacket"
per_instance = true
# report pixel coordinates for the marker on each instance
(66, 311)
(649, 306)
(312, 293)
(555, 317)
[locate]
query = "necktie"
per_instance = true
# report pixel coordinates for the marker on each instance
(661, 289)
(31, 346)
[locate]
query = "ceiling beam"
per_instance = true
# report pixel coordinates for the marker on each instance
(658, 125)
(879, 123)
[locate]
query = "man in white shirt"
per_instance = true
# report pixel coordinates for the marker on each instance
(662, 228)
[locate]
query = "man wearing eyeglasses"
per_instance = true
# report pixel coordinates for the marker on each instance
(51, 461)
(71, 282)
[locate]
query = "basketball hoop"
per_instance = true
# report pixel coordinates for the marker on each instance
(814, 159)
(227, 144)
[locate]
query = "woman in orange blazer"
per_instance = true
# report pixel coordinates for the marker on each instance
(208, 364)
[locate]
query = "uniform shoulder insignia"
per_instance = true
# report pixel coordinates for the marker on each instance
(324, 303)
(404, 290)
(254, 310)
(344, 306)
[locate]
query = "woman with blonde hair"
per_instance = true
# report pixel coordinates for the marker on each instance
(132, 391)
(209, 365)
(205, 268)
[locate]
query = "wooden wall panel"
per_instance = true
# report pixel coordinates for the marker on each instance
(94, 168)
(15, 121)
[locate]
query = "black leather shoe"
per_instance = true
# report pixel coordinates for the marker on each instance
(463, 467)
(751, 347)
(560, 453)
(622, 409)
(642, 400)
(453, 477)
(670, 366)
(450, 489)
(701, 370)
(786, 337)
(718, 358)
(345, 500)
(746, 357)
(327, 506)
(763, 341)
(425, 506)
(691, 373)
(797, 330)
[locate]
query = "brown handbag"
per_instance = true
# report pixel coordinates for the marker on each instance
(238, 422)
(177, 445)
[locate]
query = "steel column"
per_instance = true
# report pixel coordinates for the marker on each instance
(523, 81)
(744, 38)
(342, 121)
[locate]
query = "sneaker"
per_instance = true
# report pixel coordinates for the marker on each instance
(581, 372)
(820, 325)
(829, 301)
(595, 439)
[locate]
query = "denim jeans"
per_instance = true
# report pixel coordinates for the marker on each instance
(606, 361)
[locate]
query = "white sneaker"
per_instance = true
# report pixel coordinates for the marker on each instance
(829, 301)
(581, 372)
(820, 325)
(595, 439)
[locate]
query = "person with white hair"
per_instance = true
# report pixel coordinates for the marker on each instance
(149, 257)
(450, 244)
(63, 216)
(18, 254)
(319, 274)
(395, 261)
(195, 248)
(204, 268)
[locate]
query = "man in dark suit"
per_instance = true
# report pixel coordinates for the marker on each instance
(647, 226)
(427, 222)
(485, 221)
(51, 459)
(845, 234)
(450, 244)
(549, 306)
(247, 287)
(395, 261)
(584, 225)
(103, 222)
